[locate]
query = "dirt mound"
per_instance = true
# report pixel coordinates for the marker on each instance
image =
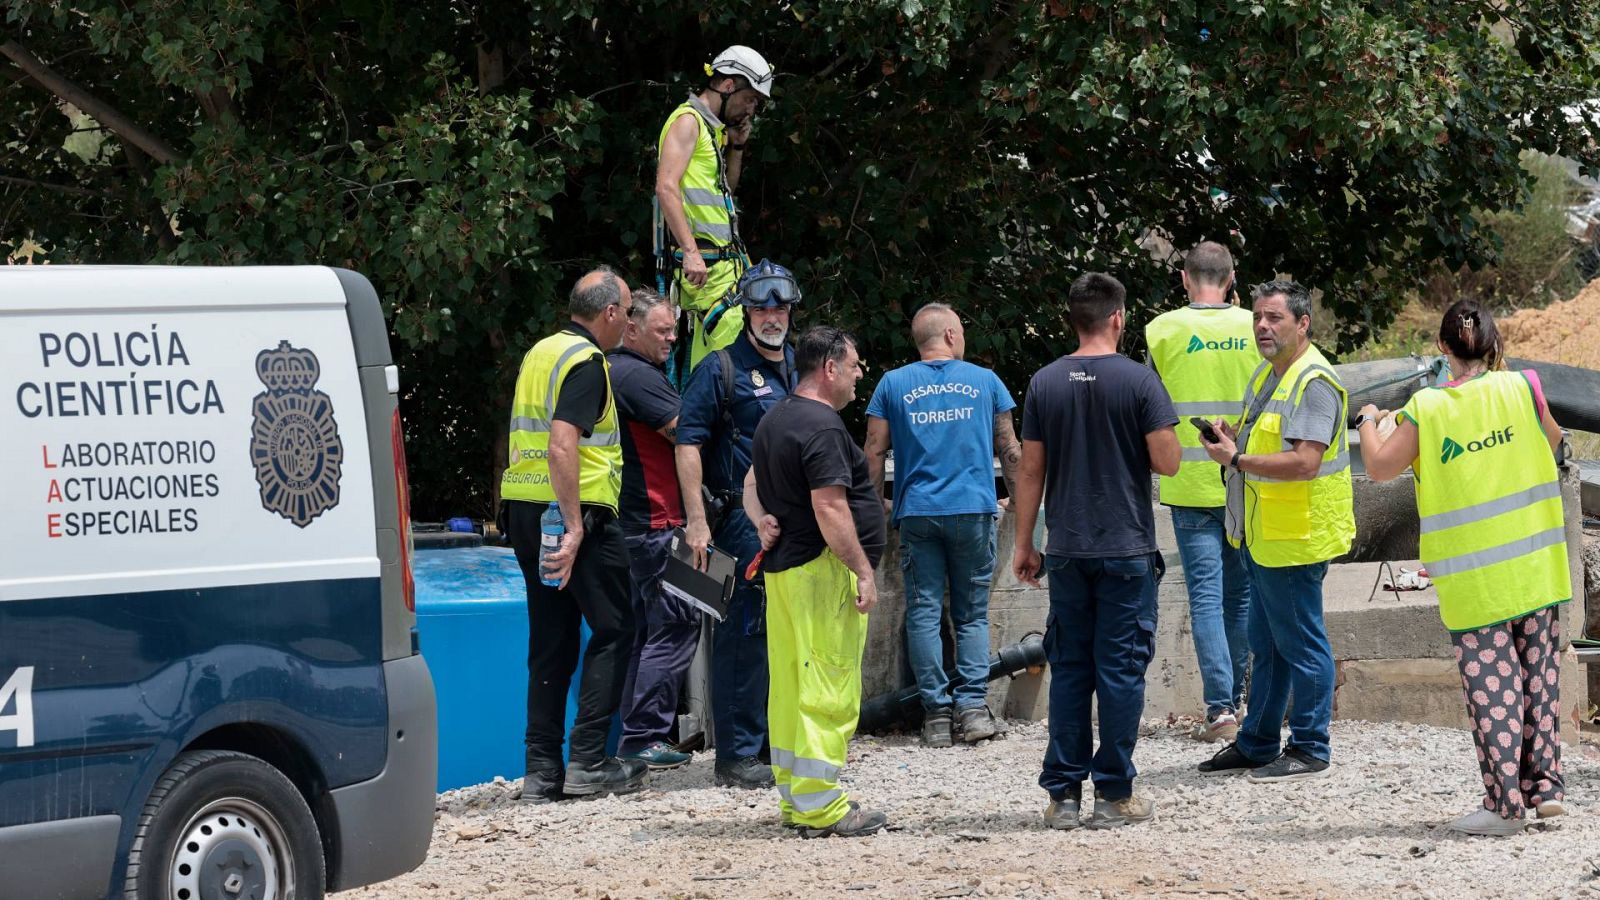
(1567, 332)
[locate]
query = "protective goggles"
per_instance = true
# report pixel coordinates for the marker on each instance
(766, 291)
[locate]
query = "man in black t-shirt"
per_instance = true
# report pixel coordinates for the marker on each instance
(822, 530)
(650, 509)
(1095, 424)
(564, 448)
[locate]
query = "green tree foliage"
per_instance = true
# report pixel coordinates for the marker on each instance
(472, 158)
(1537, 259)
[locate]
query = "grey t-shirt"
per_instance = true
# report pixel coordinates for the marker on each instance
(1317, 418)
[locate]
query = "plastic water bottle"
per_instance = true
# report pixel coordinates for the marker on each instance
(551, 528)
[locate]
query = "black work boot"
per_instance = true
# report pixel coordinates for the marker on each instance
(936, 728)
(749, 772)
(542, 786)
(976, 724)
(608, 776)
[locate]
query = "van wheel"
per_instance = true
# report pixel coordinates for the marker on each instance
(221, 825)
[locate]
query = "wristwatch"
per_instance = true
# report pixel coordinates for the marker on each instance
(1362, 420)
(1234, 463)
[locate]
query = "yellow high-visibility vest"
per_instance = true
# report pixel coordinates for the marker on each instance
(544, 370)
(1204, 356)
(1297, 523)
(705, 202)
(1493, 534)
(709, 208)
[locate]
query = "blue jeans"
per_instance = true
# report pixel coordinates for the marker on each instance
(957, 549)
(1219, 603)
(1100, 637)
(739, 651)
(1292, 656)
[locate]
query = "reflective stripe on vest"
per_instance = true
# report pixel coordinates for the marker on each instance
(1297, 523)
(706, 204)
(1204, 357)
(544, 369)
(1489, 499)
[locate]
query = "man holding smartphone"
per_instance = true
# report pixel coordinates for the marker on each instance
(1290, 511)
(1204, 354)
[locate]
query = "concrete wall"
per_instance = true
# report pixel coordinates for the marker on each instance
(1395, 659)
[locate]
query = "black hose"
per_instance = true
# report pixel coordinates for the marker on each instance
(1573, 393)
(902, 707)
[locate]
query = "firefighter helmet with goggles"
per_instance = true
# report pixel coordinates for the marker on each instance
(767, 285)
(742, 61)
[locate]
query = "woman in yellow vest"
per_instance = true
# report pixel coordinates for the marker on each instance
(1494, 543)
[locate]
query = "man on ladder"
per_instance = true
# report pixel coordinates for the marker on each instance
(699, 256)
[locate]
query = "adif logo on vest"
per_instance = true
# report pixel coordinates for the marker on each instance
(1196, 345)
(1450, 449)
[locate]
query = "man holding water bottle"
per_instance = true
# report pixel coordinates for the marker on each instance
(565, 451)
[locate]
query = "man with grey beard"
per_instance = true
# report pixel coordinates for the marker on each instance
(725, 399)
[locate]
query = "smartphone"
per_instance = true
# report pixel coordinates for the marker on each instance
(1207, 433)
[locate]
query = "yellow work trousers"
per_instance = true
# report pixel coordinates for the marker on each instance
(815, 637)
(722, 277)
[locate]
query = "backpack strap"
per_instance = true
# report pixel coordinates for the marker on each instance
(725, 363)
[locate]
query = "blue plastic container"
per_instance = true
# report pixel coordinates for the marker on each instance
(472, 614)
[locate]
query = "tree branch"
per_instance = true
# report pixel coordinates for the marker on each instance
(91, 105)
(72, 189)
(157, 221)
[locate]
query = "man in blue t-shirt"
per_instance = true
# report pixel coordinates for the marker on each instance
(1095, 424)
(946, 419)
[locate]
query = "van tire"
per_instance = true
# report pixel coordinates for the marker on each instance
(231, 805)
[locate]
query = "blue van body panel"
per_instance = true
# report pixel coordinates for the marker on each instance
(123, 682)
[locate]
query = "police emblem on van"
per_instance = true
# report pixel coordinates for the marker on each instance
(294, 442)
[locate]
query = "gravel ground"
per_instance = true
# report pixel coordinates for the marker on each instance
(967, 823)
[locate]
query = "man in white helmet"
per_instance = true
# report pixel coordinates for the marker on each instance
(701, 151)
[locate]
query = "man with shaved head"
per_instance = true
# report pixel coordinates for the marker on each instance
(946, 420)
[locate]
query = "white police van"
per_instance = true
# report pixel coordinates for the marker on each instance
(210, 686)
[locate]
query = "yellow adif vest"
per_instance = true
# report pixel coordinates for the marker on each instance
(544, 370)
(1296, 523)
(1489, 497)
(1205, 356)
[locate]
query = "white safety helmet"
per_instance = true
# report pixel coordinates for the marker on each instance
(741, 60)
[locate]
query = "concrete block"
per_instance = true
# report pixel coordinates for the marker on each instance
(1385, 636)
(1387, 625)
(1425, 691)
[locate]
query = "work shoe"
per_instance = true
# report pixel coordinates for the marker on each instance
(659, 756)
(1064, 814)
(1293, 765)
(1229, 761)
(936, 728)
(1486, 823)
(608, 776)
(976, 724)
(542, 787)
(1218, 726)
(749, 772)
(857, 822)
(1117, 813)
